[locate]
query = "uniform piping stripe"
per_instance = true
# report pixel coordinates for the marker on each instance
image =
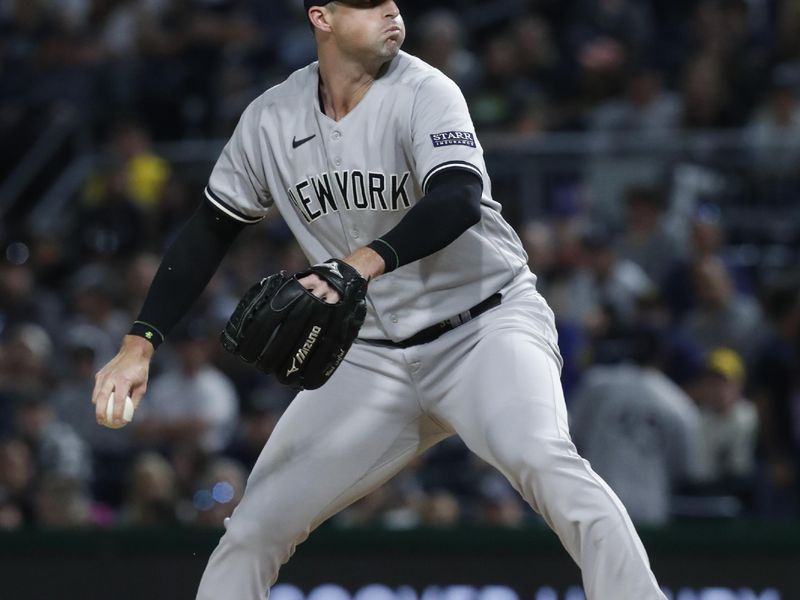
(231, 212)
(453, 164)
(396, 256)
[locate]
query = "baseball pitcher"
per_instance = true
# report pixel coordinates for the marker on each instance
(418, 320)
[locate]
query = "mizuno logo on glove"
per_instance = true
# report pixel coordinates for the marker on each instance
(302, 353)
(332, 266)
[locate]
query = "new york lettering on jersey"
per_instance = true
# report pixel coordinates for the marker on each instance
(341, 183)
(324, 193)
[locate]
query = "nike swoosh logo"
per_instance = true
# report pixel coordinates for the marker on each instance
(297, 143)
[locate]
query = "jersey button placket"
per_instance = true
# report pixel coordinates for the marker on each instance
(336, 136)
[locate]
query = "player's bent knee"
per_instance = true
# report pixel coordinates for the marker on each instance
(244, 535)
(260, 536)
(540, 457)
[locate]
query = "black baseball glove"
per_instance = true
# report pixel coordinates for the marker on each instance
(284, 329)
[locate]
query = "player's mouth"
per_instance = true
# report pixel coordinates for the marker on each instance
(394, 34)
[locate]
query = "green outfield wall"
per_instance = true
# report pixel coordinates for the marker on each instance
(698, 561)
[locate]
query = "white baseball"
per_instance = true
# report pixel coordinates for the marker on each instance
(127, 412)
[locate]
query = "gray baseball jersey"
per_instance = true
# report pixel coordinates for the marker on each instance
(339, 185)
(493, 380)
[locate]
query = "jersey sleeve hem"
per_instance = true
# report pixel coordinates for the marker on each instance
(452, 164)
(229, 210)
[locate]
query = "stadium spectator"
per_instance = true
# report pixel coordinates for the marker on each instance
(194, 404)
(111, 450)
(603, 293)
(62, 502)
(722, 317)
(706, 94)
(23, 300)
(145, 173)
(730, 425)
(640, 432)
(646, 240)
(27, 353)
(189, 462)
(441, 44)
(95, 316)
(152, 493)
(774, 129)
(646, 109)
(707, 241)
(627, 21)
(439, 509)
(17, 480)
(539, 58)
(500, 98)
(110, 224)
(56, 448)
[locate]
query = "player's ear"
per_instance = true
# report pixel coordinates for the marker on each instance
(319, 16)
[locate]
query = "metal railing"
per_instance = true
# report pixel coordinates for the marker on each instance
(537, 175)
(62, 126)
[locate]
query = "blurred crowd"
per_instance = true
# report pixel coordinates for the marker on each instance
(188, 67)
(681, 348)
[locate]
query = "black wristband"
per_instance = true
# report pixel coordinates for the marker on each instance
(391, 259)
(148, 332)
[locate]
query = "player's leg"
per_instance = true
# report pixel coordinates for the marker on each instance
(505, 401)
(330, 447)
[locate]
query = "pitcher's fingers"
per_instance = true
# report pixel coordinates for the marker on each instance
(137, 393)
(310, 281)
(326, 292)
(103, 392)
(315, 287)
(320, 288)
(122, 389)
(99, 382)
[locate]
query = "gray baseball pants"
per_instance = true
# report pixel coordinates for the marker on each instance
(494, 381)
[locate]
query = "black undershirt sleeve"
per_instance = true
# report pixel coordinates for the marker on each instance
(451, 206)
(185, 270)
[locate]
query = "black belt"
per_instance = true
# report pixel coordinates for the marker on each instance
(434, 331)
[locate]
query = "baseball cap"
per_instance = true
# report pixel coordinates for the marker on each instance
(354, 3)
(726, 363)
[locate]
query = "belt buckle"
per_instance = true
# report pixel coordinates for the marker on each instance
(460, 319)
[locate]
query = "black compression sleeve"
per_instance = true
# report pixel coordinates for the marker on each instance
(451, 206)
(185, 271)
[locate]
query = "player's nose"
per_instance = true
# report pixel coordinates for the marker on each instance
(391, 9)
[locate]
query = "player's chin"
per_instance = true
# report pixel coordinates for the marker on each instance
(391, 47)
